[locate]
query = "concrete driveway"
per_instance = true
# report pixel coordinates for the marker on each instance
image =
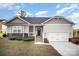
(66, 48)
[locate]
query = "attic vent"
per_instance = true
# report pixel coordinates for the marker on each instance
(22, 13)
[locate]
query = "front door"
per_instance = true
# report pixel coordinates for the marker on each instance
(39, 30)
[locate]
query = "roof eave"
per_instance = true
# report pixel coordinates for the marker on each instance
(19, 18)
(54, 16)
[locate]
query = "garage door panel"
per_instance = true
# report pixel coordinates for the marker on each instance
(57, 28)
(58, 36)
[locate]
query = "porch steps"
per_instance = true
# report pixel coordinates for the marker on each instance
(39, 39)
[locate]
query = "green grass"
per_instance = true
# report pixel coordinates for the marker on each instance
(1, 34)
(25, 48)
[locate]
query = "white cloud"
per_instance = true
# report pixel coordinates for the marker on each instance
(69, 8)
(31, 4)
(74, 17)
(11, 6)
(28, 14)
(61, 11)
(57, 6)
(17, 7)
(75, 27)
(41, 14)
(5, 5)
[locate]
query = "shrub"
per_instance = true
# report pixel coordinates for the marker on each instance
(18, 38)
(15, 38)
(77, 42)
(4, 35)
(70, 39)
(12, 38)
(45, 40)
(25, 39)
(28, 39)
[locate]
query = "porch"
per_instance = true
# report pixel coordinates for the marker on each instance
(37, 32)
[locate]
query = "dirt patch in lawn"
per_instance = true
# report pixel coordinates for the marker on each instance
(25, 48)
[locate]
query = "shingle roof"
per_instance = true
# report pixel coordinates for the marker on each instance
(38, 20)
(35, 20)
(2, 20)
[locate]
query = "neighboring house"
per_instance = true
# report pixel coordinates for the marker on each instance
(2, 26)
(76, 33)
(58, 27)
(75, 38)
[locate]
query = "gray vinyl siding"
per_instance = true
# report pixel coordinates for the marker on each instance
(57, 21)
(16, 22)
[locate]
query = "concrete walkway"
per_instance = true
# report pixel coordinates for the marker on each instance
(41, 43)
(66, 48)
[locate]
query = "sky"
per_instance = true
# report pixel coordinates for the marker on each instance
(68, 10)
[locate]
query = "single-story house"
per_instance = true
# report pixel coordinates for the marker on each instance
(57, 27)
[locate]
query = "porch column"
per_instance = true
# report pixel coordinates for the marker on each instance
(43, 36)
(34, 33)
(76, 33)
(33, 30)
(43, 33)
(28, 30)
(11, 31)
(23, 30)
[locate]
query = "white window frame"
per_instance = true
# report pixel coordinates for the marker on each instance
(17, 28)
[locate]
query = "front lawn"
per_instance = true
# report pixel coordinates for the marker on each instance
(25, 48)
(1, 34)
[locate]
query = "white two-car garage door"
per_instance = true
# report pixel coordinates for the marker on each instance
(58, 32)
(58, 36)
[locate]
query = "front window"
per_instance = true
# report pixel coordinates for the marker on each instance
(14, 31)
(17, 29)
(30, 28)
